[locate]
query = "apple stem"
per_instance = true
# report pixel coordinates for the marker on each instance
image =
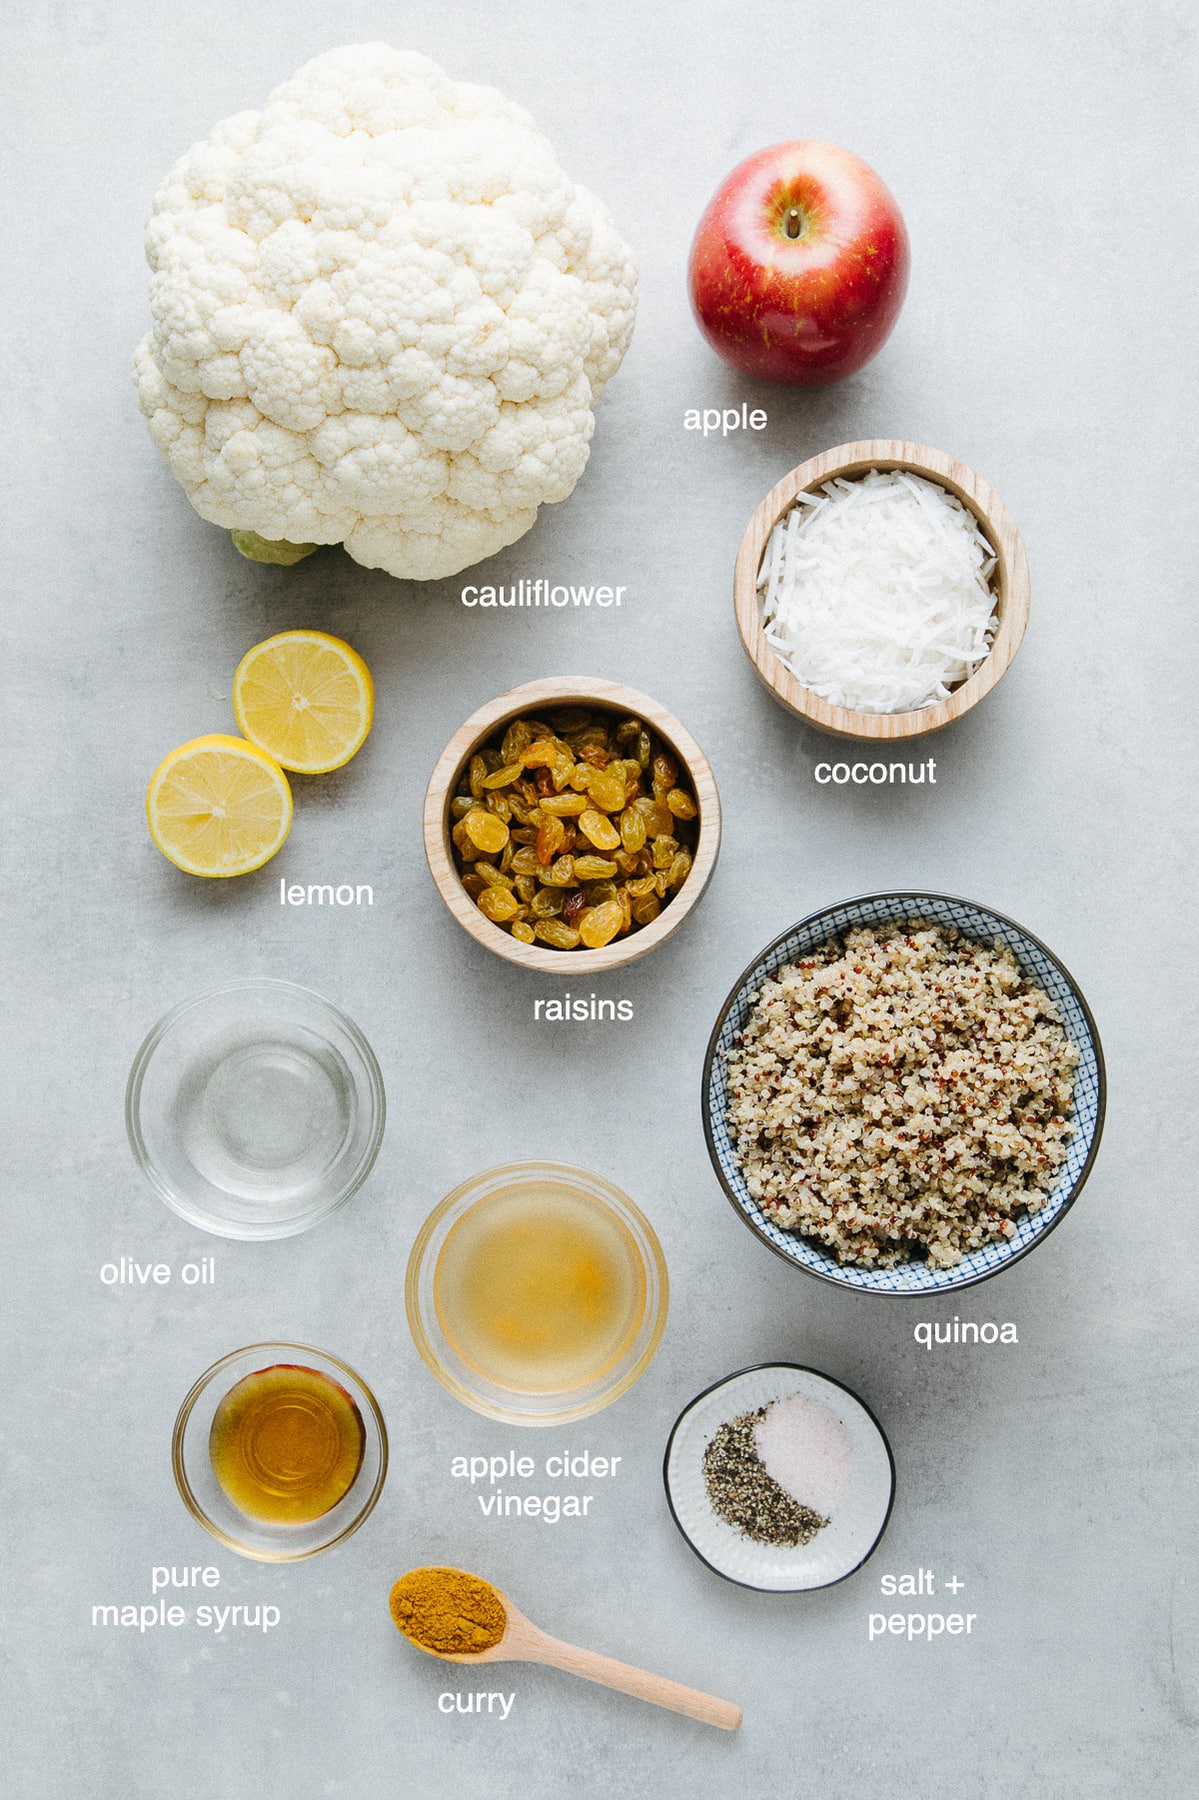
(794, 222)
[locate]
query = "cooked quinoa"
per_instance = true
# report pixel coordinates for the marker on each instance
(901, 1092)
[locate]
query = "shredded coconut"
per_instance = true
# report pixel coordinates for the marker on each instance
(876, 592)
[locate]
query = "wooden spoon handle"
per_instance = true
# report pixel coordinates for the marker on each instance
(638, 1682)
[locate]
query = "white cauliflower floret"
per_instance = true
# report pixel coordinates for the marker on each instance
(382, 316)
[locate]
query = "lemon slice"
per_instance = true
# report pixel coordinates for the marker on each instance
(305, 697)
(218, 806)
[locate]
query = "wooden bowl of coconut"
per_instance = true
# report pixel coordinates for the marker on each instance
(881, 590)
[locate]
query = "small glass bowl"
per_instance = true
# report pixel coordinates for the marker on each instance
(515, 1405)
(255, 1109)
(207, 1501)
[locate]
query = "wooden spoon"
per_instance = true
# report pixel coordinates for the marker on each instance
(525, 1642)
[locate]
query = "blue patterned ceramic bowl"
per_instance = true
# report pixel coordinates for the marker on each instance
(1090, 1089)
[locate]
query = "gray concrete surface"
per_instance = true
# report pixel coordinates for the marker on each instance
(1044, 160)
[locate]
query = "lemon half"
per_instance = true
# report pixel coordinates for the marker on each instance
(306, 698)
(218, 806)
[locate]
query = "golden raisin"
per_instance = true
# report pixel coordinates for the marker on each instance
(598, 925)
(563, 804)
(492, 875)
(665, 772)
(550, 834)
(498, 904)
(606, 789)
(601, 831)
(632, 829)
(659, 820)
(553, 931)
(503, 777)
(560, 873)
(486, 830)
(517, 736)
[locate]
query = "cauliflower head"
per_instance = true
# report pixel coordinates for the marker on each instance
(382, 316)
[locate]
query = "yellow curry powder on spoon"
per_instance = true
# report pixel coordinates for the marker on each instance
(448, 1611)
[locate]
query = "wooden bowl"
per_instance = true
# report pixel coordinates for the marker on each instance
(1009, 582)
(537, 697)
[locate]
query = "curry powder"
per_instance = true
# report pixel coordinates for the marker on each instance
(448, 1611)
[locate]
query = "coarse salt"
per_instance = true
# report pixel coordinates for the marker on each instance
(876, 592)
(806, 1450)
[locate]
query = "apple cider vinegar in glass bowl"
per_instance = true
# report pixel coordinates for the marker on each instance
(537, 1293)
(537, 1287)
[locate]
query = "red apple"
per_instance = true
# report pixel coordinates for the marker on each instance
(800, 265)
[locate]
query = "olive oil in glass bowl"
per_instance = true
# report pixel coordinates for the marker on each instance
(256, 1109)
(537, 1293)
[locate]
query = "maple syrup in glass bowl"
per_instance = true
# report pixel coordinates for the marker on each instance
(280, 1451)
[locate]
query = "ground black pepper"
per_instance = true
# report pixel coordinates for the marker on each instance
(746, 1497)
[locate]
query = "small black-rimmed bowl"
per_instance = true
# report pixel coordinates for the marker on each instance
(856, 1521)
(1090, 1089)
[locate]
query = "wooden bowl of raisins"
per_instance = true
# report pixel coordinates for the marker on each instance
(571, 824)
